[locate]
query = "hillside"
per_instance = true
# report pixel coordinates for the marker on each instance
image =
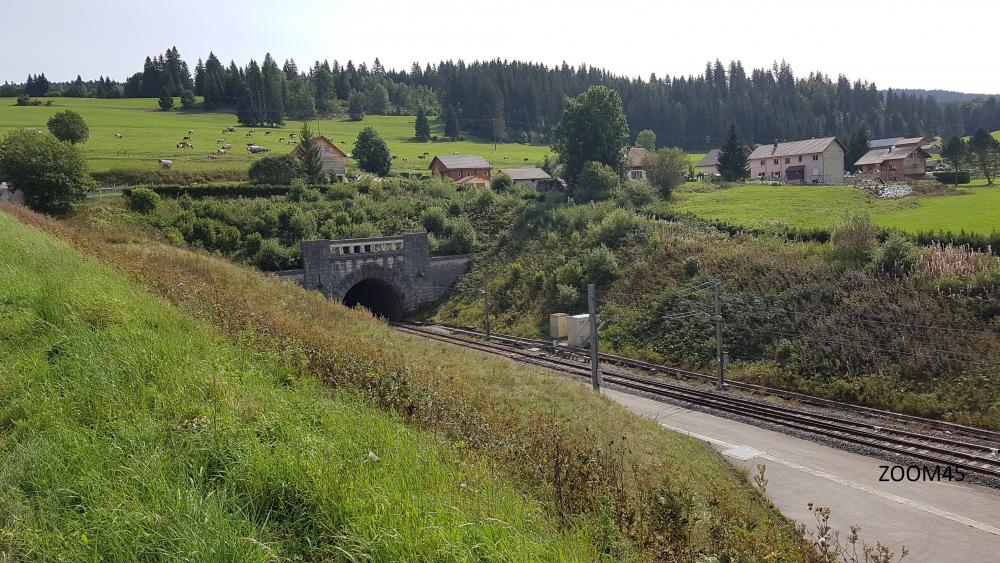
(609, 476)
(150, 135)
(132, 432)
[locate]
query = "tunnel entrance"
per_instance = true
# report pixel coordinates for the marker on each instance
(379, 297)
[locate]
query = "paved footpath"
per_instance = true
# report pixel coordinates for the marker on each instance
(937, 521)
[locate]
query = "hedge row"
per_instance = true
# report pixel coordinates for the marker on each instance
(112, 178)
(219, 190)
(953, 177)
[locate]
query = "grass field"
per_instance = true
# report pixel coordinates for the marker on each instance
(132, 432)
(151, 135)
(977, 209)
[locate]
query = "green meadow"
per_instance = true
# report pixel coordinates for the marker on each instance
(150, 135)
(975, 209)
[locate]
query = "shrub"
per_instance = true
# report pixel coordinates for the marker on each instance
(897, 256)
(142, 200)
(616, 227)
(567, 298)
(69, 126)
(570, 274)
(433, 219)
(691, 266)
(666, 169)
(274, 170)
(188, 100)
(953, 177)
(854, 238)
(595, 183)
(51, 174)
(501, 182)
(635, 194)
(460, 237)
(599, 266)
(272, 256)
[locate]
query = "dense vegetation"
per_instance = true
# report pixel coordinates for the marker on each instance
(522, 101)
(133, 433)
(614, 479)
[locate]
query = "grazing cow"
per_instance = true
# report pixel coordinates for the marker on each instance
(217, 141)
(184, 145)
(526, 160)
(186, 138)
(420, 156)
(249, 134)
(291, 135)
(190, 131)
(119, 136)
(221, 151)
(505, 158)
(227, 146)
(281, 139)
(267, 132)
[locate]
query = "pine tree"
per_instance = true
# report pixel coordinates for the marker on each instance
(423, 126)
(310, 159)
(733, 155)
(274, 91)
(166, 101)
(857, 146)
(451, 128)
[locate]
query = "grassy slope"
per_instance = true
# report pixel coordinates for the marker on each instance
(528, 422)
(824, 206)
(130, 432)
(150, 134)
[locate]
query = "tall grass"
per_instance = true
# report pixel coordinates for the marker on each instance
(129, 432)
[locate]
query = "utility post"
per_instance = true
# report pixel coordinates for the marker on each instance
(595, 370)
(486, 304)
(718, 334)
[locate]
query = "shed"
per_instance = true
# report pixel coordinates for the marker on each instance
(459, 166)
(334, 160)
(528, 176)
(709, 164)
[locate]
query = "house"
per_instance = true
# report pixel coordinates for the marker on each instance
(895, 162)
(709, 164)
(334, 160)
(811, 161)
(460, 166)
(474, 181)
(633, 162)
(528, 176)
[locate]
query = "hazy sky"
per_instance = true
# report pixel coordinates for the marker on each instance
(897, 43)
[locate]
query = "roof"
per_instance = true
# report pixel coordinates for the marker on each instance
(878, 156)
(318, 140)
(472, 180)
(635, 155)
(896, 141)
(710, 159)
(460, 161)
(527, 174)
(794, 148)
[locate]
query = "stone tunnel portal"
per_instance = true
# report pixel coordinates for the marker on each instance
(379, 297)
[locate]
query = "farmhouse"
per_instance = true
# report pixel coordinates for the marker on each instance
(334, 160)
(811, 161)
(528, 176)
(633, 161)
(895, 162)
(708, 165)
(475, 181)
(460, 166)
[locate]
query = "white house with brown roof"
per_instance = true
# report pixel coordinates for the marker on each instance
(895, 162)
(811, 161)
(633, 163)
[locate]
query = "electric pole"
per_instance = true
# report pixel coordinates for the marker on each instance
(486, 304)
(718, 334)
(595, 369)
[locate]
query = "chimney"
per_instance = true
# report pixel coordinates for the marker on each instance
(775, 144)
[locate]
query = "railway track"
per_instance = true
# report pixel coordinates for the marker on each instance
(945, 451)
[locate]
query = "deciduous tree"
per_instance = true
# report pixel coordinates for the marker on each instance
(665, 169)
(51, 173)
(592, 129)
(371, 153)
(646, 139)
(69, 126)
(953, 151)
(984, 151)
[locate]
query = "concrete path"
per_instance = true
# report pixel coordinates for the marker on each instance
(937, 521)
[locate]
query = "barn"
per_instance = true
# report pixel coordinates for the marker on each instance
(460, 166)
(334, 160)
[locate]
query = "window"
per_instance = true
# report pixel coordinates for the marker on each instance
(763, 162)
(800, 158)
(637, 174)
(815, 157)
(815, 172)
(776, 161)
(787, 160)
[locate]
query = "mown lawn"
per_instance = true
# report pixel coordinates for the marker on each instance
(131, 432)
(977, 209)
(151, 135)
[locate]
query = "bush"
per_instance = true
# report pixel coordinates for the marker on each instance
(953, 177)
(570, 274)
(433, 219)
(599, 266)
(219, 190)
(596, 182)
(854, 238)
(501, 182)
(51, 174)
(142, 200)
(897, 256)
(666, 169)
(615, 228)
(567, 298)
(188, 100)
(274, 170)
(691, 266)
(460, 237)
(69, 126)
(635, 194)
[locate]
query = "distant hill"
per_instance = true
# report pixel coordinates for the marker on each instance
(945, 96)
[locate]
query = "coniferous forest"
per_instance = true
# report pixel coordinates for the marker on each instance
(522, 101)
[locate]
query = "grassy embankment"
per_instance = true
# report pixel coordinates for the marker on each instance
(604, 473)
(131, 432)
(977, 209)
(151, 135)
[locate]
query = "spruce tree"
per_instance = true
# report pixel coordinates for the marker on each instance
(166, 101)
(451, 128)
(310, 159)
(733, 155)
(423, 126)
(857, 146)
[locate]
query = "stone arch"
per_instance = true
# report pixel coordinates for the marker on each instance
(382, 290)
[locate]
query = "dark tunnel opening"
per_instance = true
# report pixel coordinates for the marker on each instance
(377, 296)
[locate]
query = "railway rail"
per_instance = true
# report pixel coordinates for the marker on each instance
(972, 456)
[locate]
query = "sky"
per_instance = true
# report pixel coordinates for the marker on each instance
(894, 43)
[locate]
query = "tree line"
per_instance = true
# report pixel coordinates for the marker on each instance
(523, 101)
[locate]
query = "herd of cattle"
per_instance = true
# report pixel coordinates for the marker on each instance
(224, 147)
